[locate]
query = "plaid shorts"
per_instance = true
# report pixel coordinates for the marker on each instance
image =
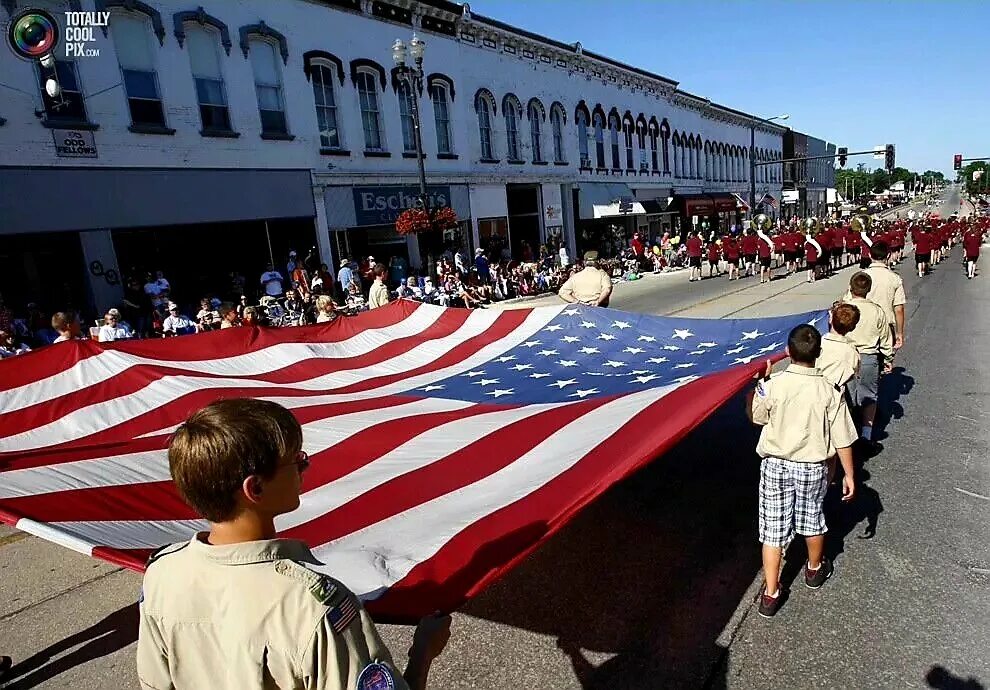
(791, 498)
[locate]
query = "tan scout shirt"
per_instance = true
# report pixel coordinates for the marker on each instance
(839, 360)
(378, 295)
(804, 416)
(247, 616)
(887, 290)
(586, 286)
(872, 334)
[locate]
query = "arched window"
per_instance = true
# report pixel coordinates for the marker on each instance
(665, 136)
(268, 87)
(405, 96)
(484, 105)
(599, 123)
(536, 115)
(627, 133)
(692, 170)
(654, 130)
(441, 116)
(582, 129)
(557, 119)
(211, 91)
(326, 105)
(685, 170)
(698, 171)
(641, 143)
(511, 110)
(371, 116)
(613, 136)
(675, 144)
(732, 165)
(137, 65)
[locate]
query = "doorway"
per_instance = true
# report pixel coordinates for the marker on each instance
(523, 202)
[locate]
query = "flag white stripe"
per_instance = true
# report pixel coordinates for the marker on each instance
(125, 534)
(103, 415)
(374, 558)
(415, 454)
(152, 466)
(110, 363)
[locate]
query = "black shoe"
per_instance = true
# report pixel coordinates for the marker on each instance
(816, 578)
(769, 605)
(5, 664)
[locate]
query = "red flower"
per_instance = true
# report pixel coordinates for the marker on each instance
(419, 220)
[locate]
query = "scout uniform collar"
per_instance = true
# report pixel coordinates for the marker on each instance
(261, 551)
(803, 371)
(835, 336)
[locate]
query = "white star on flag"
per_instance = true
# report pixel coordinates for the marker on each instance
(521, 367)
(620, 325)
(548, 353)
(697, 352)
(561, 384)
(570, 339)
(735, 350)
(567, 363)
(472, 374)
(571, 312)
(657, 360)
(554, 327)
(531, 343)
(498, 392)
(538, 376)
(638, 372)
(744, 360)
(771, 347)
(614, 364)
(685, 365)
(589, 350)
(583, 393)
(427, 389)
(707, 344)
(506, 358)
(683, 333)
(606, 336)
(647, 339)
(672, 348)
(751, 335)
(588, 324)
(634, 350)
(646, 379)
(484, 382)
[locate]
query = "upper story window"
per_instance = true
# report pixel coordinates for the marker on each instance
(582, 128)
(485, 107)
(535, 132)
(599, 122)
(405, 95)
(211, 92)
(136, 60)
(628, 135)
(268, 87)
(654, 158)
(371, 116)
(512, 116)
(557, 132)
(68, 106)
(613, 133)
(441, 116)
(326, 106)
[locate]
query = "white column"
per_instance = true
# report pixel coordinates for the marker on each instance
(106, 285)
(323, 229)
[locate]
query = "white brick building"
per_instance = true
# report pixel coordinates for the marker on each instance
(210, 123)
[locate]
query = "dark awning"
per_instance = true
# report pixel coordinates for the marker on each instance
(657, 206)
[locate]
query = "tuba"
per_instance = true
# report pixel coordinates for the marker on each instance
(811, 226)
(861, 224)
(762, 223)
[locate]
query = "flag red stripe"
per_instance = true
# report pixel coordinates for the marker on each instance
(45, 362)
(486, 550)
(135, 378)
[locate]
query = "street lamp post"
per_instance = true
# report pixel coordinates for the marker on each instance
(752, 163)
(413, 78)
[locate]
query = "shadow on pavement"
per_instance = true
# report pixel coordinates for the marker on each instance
(942, 679)
(893, 387)
(648, 576)
(111, 634)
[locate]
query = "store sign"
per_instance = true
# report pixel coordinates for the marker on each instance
(74, 143)
(553, 214)
(382, 205)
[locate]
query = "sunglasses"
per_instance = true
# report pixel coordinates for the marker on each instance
(302, 461)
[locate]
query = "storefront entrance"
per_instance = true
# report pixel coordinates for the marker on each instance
(524, 206)
(47, 269)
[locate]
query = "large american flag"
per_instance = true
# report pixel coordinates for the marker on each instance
(446, 444)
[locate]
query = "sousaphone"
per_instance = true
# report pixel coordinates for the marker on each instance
(861, 224)
(762, 223)
(811, 226)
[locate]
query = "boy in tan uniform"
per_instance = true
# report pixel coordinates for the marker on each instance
(236, 608)
(805, 421)
(839, 360)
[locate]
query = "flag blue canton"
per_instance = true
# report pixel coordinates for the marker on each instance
(587, 352)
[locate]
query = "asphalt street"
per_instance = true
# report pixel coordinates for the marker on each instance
(651, 586)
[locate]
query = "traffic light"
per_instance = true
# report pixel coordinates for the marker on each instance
(890, 157)
(842, 156)
(957, 162)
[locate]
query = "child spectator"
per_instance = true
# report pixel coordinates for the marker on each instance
(805, 421)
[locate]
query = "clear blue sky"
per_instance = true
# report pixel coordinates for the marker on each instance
(858, 73)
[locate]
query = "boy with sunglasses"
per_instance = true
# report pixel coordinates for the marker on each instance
(235, 607)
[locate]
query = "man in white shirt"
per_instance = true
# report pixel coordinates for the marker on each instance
(113, 329)
(176, 323)
(271, 282)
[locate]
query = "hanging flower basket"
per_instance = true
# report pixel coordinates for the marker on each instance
(420, 220)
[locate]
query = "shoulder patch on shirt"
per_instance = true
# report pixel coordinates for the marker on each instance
(760, 390)
(323, 588)
(376, 676)
(163, 551)
(343, 614)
